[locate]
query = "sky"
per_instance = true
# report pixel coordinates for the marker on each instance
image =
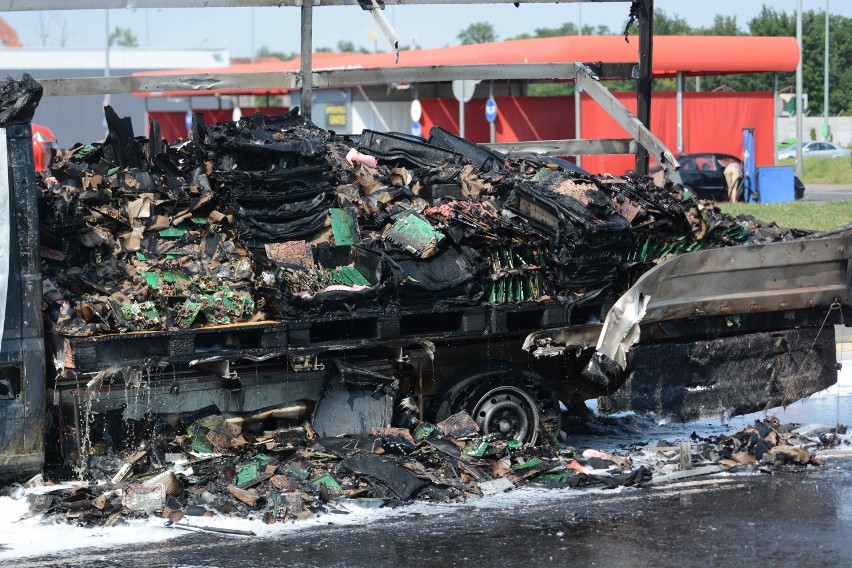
(245, 30)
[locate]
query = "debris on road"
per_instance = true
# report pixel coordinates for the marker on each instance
(288, 474)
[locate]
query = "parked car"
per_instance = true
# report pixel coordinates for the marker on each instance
(815, 150)
(704, 175)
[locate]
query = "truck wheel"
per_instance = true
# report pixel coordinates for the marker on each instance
(503, 400)
(509, 412)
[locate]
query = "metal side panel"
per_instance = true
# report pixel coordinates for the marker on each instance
(750, 279)
(4, 225)
(730, 376)
(22, 398)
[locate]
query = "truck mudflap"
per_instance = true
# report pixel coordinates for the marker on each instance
(734, 291)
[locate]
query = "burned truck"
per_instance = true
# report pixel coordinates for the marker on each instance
(276, 271)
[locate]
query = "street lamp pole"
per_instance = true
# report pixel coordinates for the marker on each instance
(799, 108)
(106, 57)
(825, 80)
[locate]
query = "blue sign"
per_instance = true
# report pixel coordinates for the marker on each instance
(416, 129)
(189, 120)
(490, 110)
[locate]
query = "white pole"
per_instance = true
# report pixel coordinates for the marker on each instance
(106, 63)
(106, 60)
(578, 131)
(679, 110)
(825, 87)
(251, 55)
(461, 110)
(775, 114)
(799, 109)
(492, 128)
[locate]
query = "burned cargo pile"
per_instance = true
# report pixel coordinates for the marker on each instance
(271, 217)
(206, 465)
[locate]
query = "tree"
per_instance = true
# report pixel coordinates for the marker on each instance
(267, 52)
(665, 25)
(566, 29)
(722, 26)
(345, 46)
(123, 37)
(669, 25)
(772, 22)
(477, 32)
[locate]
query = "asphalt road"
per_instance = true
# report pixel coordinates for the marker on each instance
(825, 192)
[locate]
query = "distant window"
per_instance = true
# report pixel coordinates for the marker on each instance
(725, 161)
(705, 163)
(689, 165)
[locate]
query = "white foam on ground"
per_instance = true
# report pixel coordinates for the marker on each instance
(32, 537)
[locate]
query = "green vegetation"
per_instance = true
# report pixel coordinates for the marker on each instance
(817, 216)
(123, 37)
(823, 170)
(477, 32)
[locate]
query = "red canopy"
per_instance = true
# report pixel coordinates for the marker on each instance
(692, 55)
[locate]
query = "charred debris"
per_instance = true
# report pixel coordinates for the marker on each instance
(273, 218)
(201, 464)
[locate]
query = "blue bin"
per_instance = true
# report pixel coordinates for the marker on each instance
(776, 184)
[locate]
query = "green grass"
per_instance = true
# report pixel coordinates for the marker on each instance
(816, 216)
(824, 170)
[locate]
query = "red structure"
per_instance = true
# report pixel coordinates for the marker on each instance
(173, 123)
(711, 121)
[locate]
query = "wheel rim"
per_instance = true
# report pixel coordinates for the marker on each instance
(508, 412)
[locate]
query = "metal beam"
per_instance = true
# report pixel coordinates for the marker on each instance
(213, 81)
(30, 5)
(643, 93)
(578, 118)
(433, 73)
(585, 147)
(646, 139)
(200, 82)
(307, 91)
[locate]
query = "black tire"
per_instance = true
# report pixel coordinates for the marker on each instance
(503, 399)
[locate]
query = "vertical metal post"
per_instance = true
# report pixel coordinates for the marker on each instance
(643, 93)
(825, 78)
(578, 127)
(492, 128)
(307, 89)
(106, 61)
(251, 37)
(461, 109)
(22, 421)
(106, 57)
(799, 109)
(775, 115)
(679, 106)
